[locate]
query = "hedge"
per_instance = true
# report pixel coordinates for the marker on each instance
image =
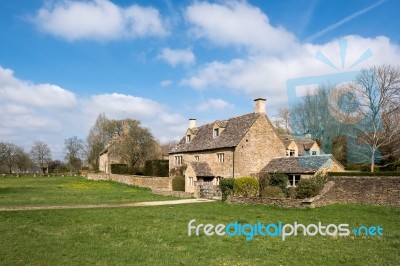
(123, 169)
(178, 183)
(246, 187)
(156, 168)
(226, 185)
(363, 174)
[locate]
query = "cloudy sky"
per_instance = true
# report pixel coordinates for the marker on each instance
(63, 62)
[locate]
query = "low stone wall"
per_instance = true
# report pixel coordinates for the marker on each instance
(179, 194)
(282, 202)
(152, 182)
(377, 190)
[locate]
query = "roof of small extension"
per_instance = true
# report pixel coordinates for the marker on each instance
(300, 165)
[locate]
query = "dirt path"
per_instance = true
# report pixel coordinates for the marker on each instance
(107, 205)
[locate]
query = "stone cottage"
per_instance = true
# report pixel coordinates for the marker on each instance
(239, 146)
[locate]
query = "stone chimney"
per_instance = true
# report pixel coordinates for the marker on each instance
(308, 135)
(192, 122)
(259, 105)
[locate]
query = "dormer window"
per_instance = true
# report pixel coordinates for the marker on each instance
(216, 132)
(188, 138)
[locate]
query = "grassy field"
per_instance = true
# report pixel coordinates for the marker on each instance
(36, 191)
(158, 235)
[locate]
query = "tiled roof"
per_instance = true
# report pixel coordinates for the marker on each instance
(201, 169)
(234, 130)
(298, 165)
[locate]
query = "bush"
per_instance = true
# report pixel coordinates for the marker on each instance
(226, 185)
(263, 180)
(246, 187)
(123, 169)
(279, 180)
(178, 171)
(272, 192)
(178, 183)
(363, 174)
(156, 168)
(307, 188)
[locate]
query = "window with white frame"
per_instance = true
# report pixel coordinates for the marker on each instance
(191, 183)
(220, 157)
(216, 132)
(313, 152)
(178, 160)
(188, 138)
(197, 158)
(293, 180)
(292, 153)
(216, 181)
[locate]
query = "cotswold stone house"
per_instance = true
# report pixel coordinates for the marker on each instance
(239, 146)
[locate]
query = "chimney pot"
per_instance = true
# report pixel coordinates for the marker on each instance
(259, 105)
(192, 122)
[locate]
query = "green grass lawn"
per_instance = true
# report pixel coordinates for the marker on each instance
(36, 191)
(157, 235)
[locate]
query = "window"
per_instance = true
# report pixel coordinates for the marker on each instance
(293, 180)
(188, 138)
(216, 132)
(197, 158)
(220, 157)
(292, 153)
(178, 160)
(313, 152)
(191, 181)
(216, 180)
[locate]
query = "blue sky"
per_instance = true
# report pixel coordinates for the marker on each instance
(162, 62)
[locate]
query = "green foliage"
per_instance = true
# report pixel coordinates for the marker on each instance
(156, 168)
(123, 169)
(263, 180)
(279, 180)
(178, 171)
(272, 192)
(178, 183)
(226, 185)
(310, 187)
(246, 187)
(363, 174)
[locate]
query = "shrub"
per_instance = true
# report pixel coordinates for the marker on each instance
(123, 169)
(178, 183)
(156, 168)
(178, 171)
(226, 185)
(363, 174)
(263, 179)
(272, 192)
(246, 187)
(278, 179)
(307, 188)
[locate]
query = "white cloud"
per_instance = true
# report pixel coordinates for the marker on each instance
(266, 75)
(175, 57)
(99, 20)
(165, 83)
(214, 105)
(121, 106)
(38, 95)
(237, 23)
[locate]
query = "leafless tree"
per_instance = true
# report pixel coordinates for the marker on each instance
(97, 140)
(40, 154)
(378, 98)
(134, 144)
(73, 148)
(9, 154)
(284, 118)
